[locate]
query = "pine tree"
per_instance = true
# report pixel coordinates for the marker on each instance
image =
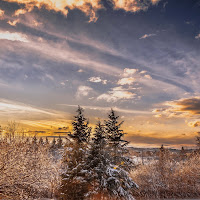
(53, 149)
(59, 142)
(74, 179)
(27, 140)
(162, 162)
(46, 141)
(119, 184)
(53, 144)
(41, 142)
(118, 146)
(81, 131)
(98, 162)
(198, 143)
(182, 154)
(34, 140)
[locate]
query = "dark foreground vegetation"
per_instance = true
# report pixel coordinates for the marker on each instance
(92, 165)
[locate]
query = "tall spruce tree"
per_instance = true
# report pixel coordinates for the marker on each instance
(198, 143)
(74, 179)
(119, 184)
(98, 162)
(118, 146)
(47, 141)
(81, 130)
(41, 142)
(59, 142)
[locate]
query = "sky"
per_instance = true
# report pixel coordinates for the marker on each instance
(139, 57)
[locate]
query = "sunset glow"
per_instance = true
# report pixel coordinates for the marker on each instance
(136, 57)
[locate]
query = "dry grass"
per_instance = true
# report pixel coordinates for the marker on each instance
(169, 179)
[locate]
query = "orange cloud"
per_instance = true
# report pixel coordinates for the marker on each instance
(1, 14)
(89, 7)
(182, 108)
(190, 105)
(194, 124)
(13, 23)
(133, 5)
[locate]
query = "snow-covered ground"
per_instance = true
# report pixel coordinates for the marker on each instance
(143, 160)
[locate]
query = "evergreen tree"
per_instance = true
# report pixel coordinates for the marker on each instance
(118, 146)
(119, 184)
(198, 143)
(34, 141)
(41, 142)
(53, 144)
(53, 149)
(81, 131)
(59, 142)
(46, 141)
(27, 140)
(74, 179)
(98, 162)
(164, 156)
(182, 154)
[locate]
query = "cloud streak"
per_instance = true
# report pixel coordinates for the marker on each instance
(6, 35)
(64, 52)
(99, 108)
(20, 110)
(147, 36)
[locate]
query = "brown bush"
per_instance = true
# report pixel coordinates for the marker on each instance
(169, 179)
(26, 170)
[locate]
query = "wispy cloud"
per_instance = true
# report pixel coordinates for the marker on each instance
(13, 23)
(121, 110)
(6, 35)
(147, 36)
(49, 76)
(97, 80)
(18, 110)
(31, 116)
(67, 54)
(116, 94)
(2, 14)
(197, 36)
(83, 91)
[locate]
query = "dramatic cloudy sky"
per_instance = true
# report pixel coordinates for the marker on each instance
(140, 57)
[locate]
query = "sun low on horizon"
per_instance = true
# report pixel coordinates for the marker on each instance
(138, 57)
